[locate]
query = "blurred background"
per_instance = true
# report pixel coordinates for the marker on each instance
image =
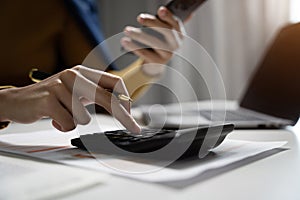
(235, 33)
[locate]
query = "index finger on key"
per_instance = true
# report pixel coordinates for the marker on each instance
(112, 83)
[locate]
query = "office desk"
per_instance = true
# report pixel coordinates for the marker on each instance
(274, 177)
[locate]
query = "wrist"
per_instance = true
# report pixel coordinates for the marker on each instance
(4, 121)
(153, 69)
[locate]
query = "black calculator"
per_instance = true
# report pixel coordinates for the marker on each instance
(153, 143)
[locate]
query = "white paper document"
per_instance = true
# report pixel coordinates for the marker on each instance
(27, 179)
(55, 146)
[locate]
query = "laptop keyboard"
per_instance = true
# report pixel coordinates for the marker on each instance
(231, 115)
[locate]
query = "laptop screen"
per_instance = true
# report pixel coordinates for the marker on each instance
(275, 87)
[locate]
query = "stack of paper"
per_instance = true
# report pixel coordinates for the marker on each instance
(55, 146)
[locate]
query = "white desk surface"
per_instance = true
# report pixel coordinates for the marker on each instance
(274, 177)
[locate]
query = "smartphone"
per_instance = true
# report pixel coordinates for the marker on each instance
(184, 8)
(181, 9)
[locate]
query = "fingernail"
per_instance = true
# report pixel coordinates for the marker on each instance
(142, 16)
(163, 11)
(137, 129)
(128, 30)
(125, 41)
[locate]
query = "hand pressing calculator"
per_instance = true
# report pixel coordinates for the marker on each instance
(186, 142)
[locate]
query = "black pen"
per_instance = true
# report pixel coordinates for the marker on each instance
(37, 76)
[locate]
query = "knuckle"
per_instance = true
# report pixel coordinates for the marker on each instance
(51, 88)
(77, 67)
(69, 73)
(56, 83)
(117, 79)
(120, 81)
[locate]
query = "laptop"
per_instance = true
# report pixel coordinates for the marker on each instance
(271, 100)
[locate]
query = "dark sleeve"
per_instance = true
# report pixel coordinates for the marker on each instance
(82, 33)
